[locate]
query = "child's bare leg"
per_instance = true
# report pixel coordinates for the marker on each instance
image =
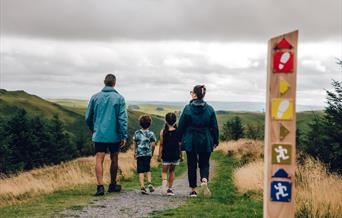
(164, 172)
(171, 175)
(149, 177)
(141, 179)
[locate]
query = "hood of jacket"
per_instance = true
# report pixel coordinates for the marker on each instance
(109, 89)
(197, 106)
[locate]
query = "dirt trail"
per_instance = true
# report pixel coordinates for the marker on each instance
(134, 204)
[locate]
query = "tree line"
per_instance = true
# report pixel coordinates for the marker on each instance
(234, 129)
(30, 142)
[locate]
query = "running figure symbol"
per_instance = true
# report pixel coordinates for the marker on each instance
(282, 153)
(281, 189)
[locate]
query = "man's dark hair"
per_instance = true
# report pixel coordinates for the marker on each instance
(110, 80)
(200, 91)
(145, 121)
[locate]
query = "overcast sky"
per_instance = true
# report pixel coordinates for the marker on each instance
(159, 49)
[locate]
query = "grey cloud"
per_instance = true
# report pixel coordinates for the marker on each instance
(142, 74)
(242, 20)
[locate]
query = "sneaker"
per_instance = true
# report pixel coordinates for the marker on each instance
(205, 188)
(113, 187)
(143, 191)
(150, 187)
(193, 194)
(99, 190)
(170, 192)
(164, 187)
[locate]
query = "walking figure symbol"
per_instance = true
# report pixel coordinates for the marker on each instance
(282, 153)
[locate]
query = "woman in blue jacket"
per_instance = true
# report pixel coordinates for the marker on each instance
(198, 132)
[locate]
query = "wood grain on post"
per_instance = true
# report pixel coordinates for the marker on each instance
(278, 207)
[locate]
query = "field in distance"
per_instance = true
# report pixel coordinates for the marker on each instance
(160, 109)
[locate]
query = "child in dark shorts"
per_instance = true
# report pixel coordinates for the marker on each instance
(143, 148)
(169, 152)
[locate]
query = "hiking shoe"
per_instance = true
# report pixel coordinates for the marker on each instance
(113, 187)
(164, 187)
(100, 190)
(150, 187)
(205, 189)
(170, 192)
(193, 194)
(143, 191)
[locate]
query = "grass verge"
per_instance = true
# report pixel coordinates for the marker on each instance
(75, 198)
(226, 200)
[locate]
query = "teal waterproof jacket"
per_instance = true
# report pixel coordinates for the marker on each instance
(197, 127)
(106, 116)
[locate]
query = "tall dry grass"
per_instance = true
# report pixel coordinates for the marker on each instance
(318, 191)
(245, 150)
(49, 179)
(250, 177)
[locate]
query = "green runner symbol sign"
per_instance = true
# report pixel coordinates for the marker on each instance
(281, 154)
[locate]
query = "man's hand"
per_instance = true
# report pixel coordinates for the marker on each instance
(123, 142)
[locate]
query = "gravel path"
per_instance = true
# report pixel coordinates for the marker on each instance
(134, 204)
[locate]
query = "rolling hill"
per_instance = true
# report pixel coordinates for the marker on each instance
(160, 109)
(36, 106)
(250, 117)
(71, 115)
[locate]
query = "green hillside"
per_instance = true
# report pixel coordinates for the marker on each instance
(79, 106)
(159, 110)
(303, 118)
(73, 103)
(71, 114)
(36, 106)
(256, 118)
(133, 117)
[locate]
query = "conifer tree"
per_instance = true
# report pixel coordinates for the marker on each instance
(233, 129)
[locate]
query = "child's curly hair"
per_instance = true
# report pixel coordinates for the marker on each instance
(145, 121)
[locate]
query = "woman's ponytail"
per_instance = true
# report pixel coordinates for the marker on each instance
(200, 91)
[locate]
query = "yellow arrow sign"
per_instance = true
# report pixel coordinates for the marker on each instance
(283, 86)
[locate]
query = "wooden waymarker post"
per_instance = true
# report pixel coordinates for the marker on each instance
(280, 127)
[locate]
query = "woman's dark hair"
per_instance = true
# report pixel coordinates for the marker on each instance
(170, 119)
(145, 121)
(199, 90)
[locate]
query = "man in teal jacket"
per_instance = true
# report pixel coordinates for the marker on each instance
(106, 117)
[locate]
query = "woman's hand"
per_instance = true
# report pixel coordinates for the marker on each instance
(159, 159)
(135, 156)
